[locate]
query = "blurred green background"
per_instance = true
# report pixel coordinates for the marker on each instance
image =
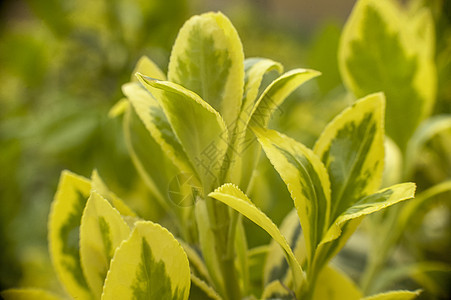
(62, 64)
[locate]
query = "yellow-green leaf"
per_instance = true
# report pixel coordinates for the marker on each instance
(102, 230)
(233, 197)
(28, 294)
(207, 58)
(64, 226)
(154, 119)
(151, 264)
(276, 266)
(276, 290)
(276, 92)
(382, 48)
(100, 187)
(199, 128)
(370, 204)
(200, 290)
(352, 149)
(148, 68)
(394, 295)
(147, 156)
(332, 284)
(306, 179)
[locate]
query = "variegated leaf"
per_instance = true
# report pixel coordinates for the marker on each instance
(153, 117)
(207, 58)
(275, 94)
(64, 226)
(102, 230)
(149, 68)
(276, 266)
(382, 48)
(370, 204)
(306, 179)
(100, 187)
(233, 197)
(147, 156)
(199, 128)
(352, 149)
(151, 264)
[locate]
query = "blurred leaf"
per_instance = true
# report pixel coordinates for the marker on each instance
(382, 49)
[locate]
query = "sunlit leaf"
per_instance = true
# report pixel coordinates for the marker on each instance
(148, 68)
(64, 226)
(207, 58)
(384, 49)
(233, 197)
(151, 264)
(102, 230)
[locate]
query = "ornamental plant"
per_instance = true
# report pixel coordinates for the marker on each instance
(195, 136)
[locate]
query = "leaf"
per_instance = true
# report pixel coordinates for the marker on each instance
(233, 197)
(352, 149)
(246, 149)
(151, 264)
(147, 67)
(28, 294)
(254, 70)
(153, 117)
(335, 285)
(207, 58)
(276, 266)
(100, 187)
(199, 128)
(370, 204)
(382, 49)
(275, 94)
(306, 179)
(425, 132)
(275, 290)
(147, 156)
(394, 295)
(64, 225)
(102, 230)
(201, 290)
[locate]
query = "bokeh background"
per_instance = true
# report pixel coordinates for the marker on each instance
(62, 64)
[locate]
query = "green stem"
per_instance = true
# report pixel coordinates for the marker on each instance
(224, 228)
